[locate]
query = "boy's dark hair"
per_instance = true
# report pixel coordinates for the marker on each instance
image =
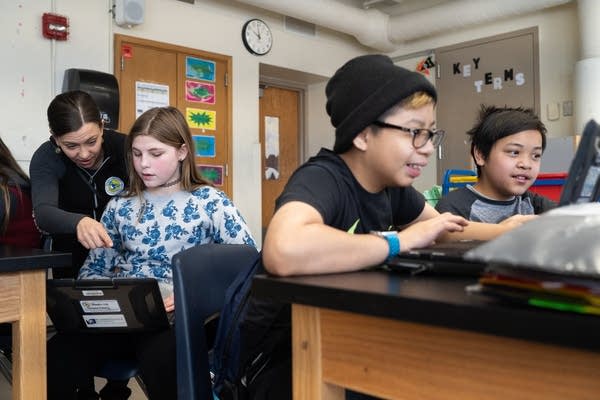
(494, 123)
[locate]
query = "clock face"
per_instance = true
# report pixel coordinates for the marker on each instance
(257, 37)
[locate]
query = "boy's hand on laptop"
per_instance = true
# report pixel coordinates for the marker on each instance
(91, 234)
(169, 303)
(424, 233)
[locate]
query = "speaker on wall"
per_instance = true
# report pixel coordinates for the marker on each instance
(103, 88)
(129, 12)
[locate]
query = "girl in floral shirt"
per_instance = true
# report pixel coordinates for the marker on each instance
(168, 208)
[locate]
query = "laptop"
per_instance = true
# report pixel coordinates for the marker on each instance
(440, 259)
(581, 185)
(105, 305)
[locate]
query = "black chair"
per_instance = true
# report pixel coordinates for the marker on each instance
(201, 275)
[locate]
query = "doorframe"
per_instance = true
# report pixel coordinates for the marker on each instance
(301, 89)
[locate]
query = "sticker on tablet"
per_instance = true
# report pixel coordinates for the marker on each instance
(100, 306)
(105, 321)
(90, 293)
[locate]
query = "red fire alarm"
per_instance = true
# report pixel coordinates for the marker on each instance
(55, 26)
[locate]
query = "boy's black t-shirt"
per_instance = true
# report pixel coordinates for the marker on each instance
(325, 183)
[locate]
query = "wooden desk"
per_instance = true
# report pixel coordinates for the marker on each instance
(399, 337)
(23, 302)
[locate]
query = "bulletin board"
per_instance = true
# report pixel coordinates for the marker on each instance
(499, 70)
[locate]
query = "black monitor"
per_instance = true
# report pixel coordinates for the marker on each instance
(583, 184)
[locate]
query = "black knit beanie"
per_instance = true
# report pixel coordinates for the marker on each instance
(363, 89)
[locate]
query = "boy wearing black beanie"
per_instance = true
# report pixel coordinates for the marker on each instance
(352, 207)
(348, 208)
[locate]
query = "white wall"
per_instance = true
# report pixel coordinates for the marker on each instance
(33, 67)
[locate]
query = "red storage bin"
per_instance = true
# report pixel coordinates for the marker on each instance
(549, 185)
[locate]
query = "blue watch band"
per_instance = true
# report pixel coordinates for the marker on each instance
(393, 242)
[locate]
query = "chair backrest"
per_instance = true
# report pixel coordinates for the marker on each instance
(201, 275)
(454, 178)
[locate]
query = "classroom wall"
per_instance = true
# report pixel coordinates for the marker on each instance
(33, 67)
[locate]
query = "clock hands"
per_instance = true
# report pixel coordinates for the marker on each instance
(256, 33)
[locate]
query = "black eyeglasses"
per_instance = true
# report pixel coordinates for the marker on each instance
(420, 136)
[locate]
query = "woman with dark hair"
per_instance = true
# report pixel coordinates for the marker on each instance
(74, 175)
(16, 222)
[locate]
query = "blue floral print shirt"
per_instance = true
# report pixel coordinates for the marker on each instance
(147, 231)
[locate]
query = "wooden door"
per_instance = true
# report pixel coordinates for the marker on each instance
(141, 63)
(280, 143)
(500, 70)
(194, 81)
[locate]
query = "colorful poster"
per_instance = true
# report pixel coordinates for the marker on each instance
(204, 145)
(200, 92)
(212, 173)
(203, 119)
(197, 68)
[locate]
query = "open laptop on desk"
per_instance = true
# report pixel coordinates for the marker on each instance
(582, 185)
(440, 258)
(105, 305)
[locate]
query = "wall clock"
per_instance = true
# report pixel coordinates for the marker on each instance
(257, 37)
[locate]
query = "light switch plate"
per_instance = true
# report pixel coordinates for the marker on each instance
(567, 108)
(553, 111)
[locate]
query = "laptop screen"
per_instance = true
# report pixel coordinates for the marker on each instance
(105, 305)
(582, 184)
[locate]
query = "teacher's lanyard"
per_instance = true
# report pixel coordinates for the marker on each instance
(89, 180)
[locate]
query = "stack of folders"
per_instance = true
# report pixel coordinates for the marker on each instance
(541, 289)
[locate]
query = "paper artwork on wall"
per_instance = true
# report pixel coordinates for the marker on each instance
(197, 68)
(212, 173)
(425, 64)
(200, 92)
(271, 148)
(205, 146)
(150, 95)
(199, 118)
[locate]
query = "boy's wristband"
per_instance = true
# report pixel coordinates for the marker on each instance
(393, 241)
